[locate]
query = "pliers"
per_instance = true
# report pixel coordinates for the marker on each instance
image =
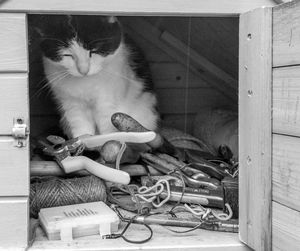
(67, 153)
(191, 179)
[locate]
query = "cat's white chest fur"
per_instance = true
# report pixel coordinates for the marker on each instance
(87, 103)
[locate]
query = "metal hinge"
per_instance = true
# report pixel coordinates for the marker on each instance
(20, 132)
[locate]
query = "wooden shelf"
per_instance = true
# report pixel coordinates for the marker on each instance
(162, 239)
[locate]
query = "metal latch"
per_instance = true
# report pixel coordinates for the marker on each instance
(20, 132)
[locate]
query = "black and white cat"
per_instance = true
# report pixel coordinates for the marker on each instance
(93, 72)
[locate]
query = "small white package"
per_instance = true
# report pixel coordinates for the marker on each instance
(68, 222)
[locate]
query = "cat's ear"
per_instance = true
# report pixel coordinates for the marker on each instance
(112, 19)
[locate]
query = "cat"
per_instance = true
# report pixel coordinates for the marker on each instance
(93, 71)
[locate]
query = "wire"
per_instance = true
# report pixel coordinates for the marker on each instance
(182, 193)
(121, 235)
(185, 231)
(145, 193)
(223, 216)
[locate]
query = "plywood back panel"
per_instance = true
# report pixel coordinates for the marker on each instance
(13, 42)
(216, 39)
(286, 34)
(174, 75)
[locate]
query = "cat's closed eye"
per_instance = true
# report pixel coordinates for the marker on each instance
(94, 52)
(68, 55)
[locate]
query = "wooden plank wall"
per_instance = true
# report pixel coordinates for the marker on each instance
(181, 92)
(255, 133)
(286, 126)
(14, 161)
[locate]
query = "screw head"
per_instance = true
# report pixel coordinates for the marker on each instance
(20, 121)
(249, 160)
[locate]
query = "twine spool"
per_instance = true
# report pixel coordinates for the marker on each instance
(54, 191)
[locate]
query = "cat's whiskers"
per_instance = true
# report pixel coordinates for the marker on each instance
(44, 79)
(49, 81)
(57, 80)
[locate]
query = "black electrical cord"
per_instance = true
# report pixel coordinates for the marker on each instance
(185, 231)
(121, 235)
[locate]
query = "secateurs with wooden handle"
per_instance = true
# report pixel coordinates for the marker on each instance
(67, 153)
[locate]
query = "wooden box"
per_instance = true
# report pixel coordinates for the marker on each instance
(268, 104)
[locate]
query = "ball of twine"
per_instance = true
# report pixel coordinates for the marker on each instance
(54, 192)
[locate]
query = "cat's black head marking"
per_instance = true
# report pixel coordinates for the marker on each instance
(97, 34)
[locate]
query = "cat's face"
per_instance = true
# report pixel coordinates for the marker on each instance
(81, 45)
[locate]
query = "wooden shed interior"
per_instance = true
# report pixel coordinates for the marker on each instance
(193, 61)
(197, 50)
(194, 66)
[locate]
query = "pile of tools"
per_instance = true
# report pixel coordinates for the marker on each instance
(145, 172)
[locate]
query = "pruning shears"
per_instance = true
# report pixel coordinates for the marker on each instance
(67, 153)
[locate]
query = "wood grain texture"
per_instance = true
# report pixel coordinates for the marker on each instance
(14, 223)
(286, 228)
(13, 100)
(152, 34)
(173, 75)
(286, 99)
(197, 240)
(255, 128)
(14, 168)
(183, 122)
(206, 36)
(13, 42)
(286, 171)
(167, 7)
(199, 61)
(286, 34)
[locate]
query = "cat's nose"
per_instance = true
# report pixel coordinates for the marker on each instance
(83, 68)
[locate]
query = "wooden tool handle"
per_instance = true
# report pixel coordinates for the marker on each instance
(51, 168)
